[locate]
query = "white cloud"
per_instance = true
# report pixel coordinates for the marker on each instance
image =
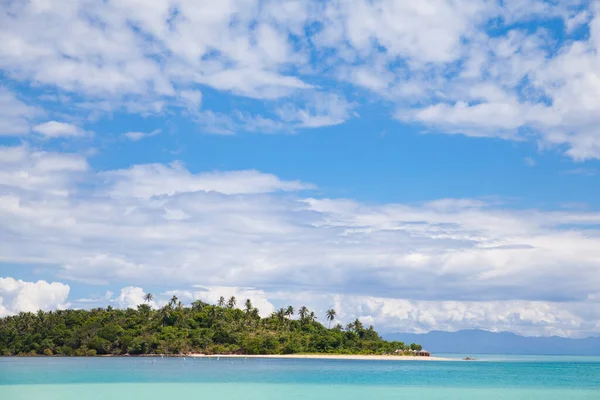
(216, 123)
(321, 110)
(137, 136)
(254, 83)
(132, 296)
(426, 31)
(192, 99)
(550, 96)
(212, 294)
(15, 116)
(576, 20)
(157, 179)
(209, 43)
(316, 110)
(17, 295)
(55, 129)
(22, 168)
(98, 301)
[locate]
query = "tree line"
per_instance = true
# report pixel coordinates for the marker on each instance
(175, 329)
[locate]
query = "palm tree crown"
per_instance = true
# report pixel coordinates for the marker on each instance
(281, 314)
(231, 302)
(331, 315)
(248, 306)
(289, 311)
(303, 313)
(148, 297)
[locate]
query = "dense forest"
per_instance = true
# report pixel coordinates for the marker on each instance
(175, 329)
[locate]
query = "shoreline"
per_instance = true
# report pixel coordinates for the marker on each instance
(256, 356)
(323, 357)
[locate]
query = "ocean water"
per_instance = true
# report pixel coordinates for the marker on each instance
(514, 378)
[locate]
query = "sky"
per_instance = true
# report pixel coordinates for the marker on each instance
(419, 165)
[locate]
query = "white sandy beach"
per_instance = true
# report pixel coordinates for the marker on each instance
(325, 357)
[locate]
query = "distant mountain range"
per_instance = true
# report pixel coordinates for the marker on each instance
(484, 342)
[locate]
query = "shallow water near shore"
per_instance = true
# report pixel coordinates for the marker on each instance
(156, 378)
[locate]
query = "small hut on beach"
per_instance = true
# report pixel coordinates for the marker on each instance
(422, 353)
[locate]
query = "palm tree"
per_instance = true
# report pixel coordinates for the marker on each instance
(41, 319)
(248, 306)
(213, 315)
(198, 305)
(281, 314)
(221, 302)
(331, 315)
(312, 317)
(173, 301)
(358, 327)
(144, 309)
(165, 314)
(303, 313)
(148, 297)
(289, 311)
(26, 321)
(231, 302)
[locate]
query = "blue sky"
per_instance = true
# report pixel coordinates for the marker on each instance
(419, 166)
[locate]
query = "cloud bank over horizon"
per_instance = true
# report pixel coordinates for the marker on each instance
(442, 264)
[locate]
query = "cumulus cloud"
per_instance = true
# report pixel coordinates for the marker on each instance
(164, 225)
(55, 129)
(211, 295)
(17, 295)
(131, 297)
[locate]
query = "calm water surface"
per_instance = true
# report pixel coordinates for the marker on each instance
(496, 377)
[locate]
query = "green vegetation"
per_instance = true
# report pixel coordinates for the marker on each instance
(175, 329)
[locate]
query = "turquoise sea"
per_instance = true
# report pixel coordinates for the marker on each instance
(493, 377)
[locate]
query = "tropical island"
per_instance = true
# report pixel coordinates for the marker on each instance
(201, 328)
